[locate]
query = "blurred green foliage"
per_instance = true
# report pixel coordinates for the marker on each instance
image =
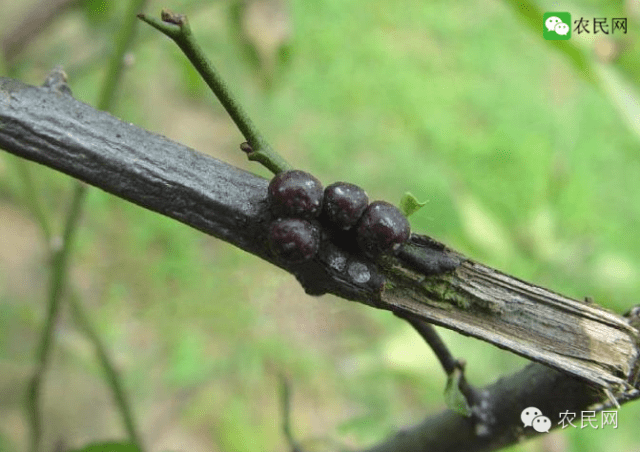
(525, 164)
(109, 447)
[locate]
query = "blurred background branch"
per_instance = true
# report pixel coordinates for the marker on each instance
(33, 22)
(60, 249)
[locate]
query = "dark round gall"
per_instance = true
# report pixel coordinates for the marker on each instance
(344, 204)
(382, 228)
(295, 194)
(294, 240)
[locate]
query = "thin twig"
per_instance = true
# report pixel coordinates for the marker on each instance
(56, 287)
(448, 362)
(33, 200)
(431, 337)
(32, 24)
(119, 394)
(123, 41)
(176, 27)
(60, 257)
(107, 95)
(285, 403)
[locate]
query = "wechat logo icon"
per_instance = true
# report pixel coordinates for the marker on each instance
(556, 26)
(532, 417)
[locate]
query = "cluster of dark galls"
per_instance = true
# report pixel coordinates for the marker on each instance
(305, 213)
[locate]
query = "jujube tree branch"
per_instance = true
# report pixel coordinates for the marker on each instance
(593, 347)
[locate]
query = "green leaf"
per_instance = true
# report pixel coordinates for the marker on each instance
(453, 397)
(110, 447)
(409, 204)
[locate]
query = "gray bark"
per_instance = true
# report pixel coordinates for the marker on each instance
(595, 353)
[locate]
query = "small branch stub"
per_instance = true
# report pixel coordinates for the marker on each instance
(173, 18)
(246, 147)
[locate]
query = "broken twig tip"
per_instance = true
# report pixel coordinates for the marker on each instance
(173, 18)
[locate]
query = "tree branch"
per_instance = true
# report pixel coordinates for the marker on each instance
(581, 338)
(496, 419)
(449, 364)
(34, 22)
(426, 279)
